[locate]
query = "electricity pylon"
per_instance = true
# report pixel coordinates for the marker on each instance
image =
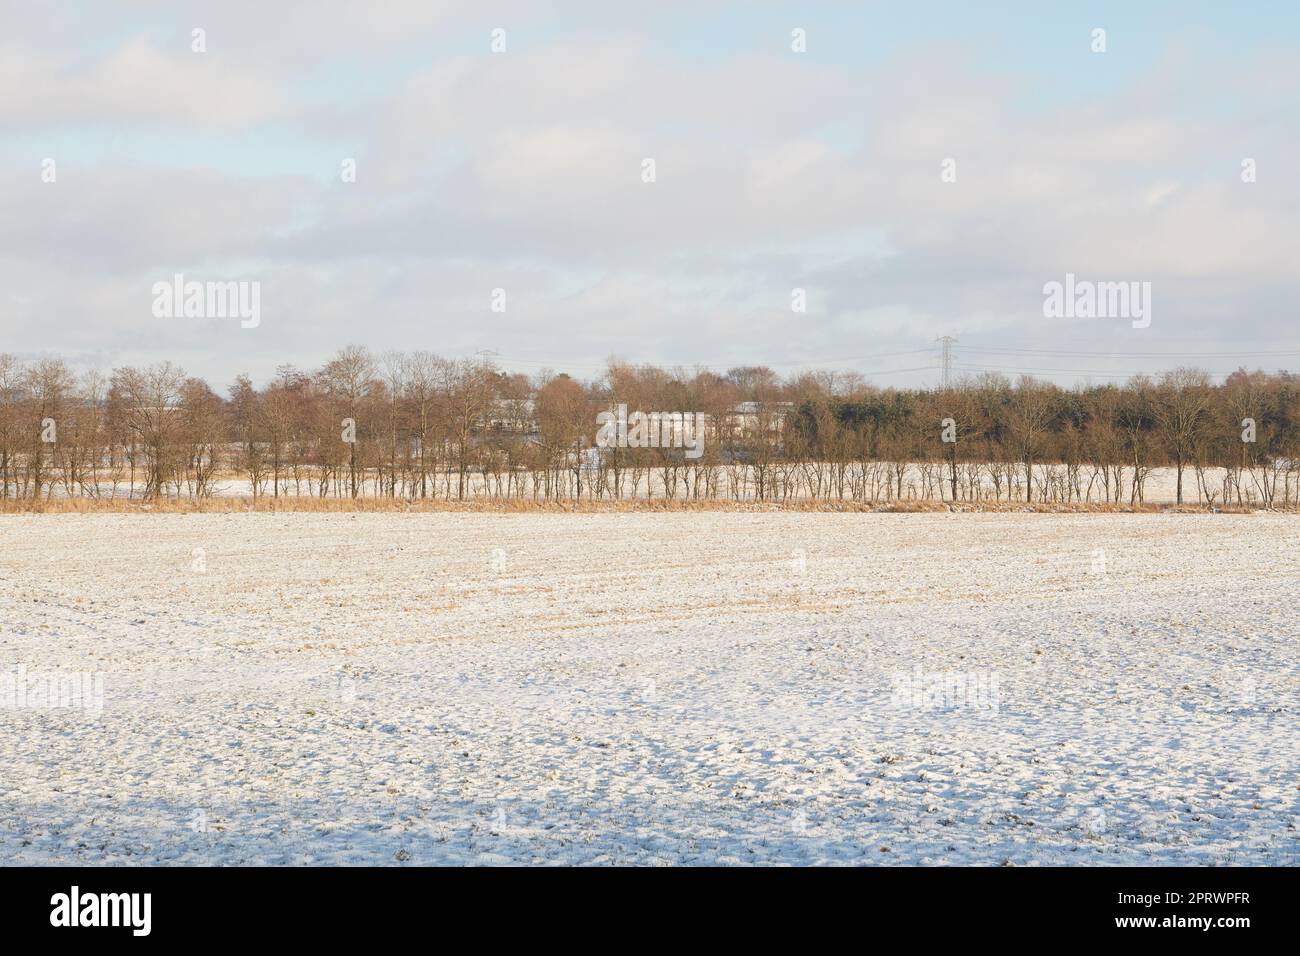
(946, 375)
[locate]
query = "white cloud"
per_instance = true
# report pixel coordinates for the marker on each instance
(133, 84)
(523, 171)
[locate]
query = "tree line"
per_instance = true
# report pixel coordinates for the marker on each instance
(420, 426)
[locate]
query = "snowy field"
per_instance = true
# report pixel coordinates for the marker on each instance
(649, 688)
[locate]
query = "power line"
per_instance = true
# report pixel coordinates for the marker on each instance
(715, 366)
(891, 371)
(1104, 373)
(1066, 352)
(944, 360)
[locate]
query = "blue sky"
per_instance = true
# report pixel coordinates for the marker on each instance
(776, 170)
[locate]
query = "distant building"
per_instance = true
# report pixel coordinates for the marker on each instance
(517, 416)
(749, 419)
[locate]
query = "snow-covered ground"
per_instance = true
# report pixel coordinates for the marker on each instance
(650, 688)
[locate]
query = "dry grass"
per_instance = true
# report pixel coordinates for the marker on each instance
(235, 505)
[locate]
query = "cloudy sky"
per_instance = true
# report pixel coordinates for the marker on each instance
(774, 169)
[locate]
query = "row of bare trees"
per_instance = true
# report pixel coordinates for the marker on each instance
(418, 426)
(1239, 442)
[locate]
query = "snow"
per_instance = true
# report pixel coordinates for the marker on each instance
(1159, 488)
(652, 688)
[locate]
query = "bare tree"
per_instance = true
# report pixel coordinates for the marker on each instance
(151, 405)
(1029, 415)
(348, 380)
(1182, 409)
